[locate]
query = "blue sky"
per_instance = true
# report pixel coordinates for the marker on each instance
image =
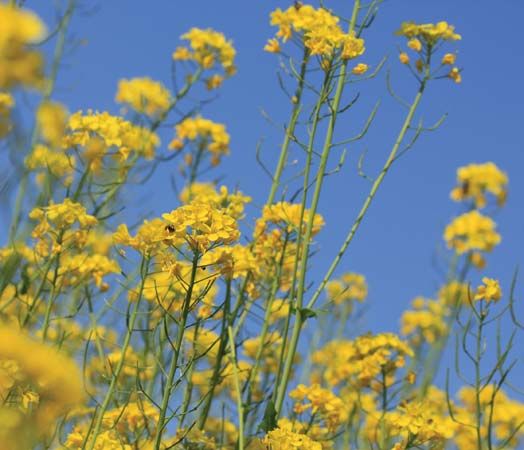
(397, 242)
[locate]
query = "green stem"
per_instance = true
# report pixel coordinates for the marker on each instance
(168, 388)
(299, 320)
(371, 195)
(240, 412)
(114, 380)
(290, 131)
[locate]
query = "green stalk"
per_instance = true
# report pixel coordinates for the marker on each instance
(227, 320)
(282, 387)
(371, 195)
(168, 388)
(240, 412)
(127, 340)
(290, 131)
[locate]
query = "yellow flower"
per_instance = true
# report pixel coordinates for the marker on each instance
(99, 132)
(360, 69)
(455, 75)
(404, 58)
(201, 225)
(490, 290)
(449, 59)
(476, 180)
(144, 95)
(350, 286)
(415, 44)
(322, 403)
(319, 30)
(429, 32)
(426, 320)
(56, 388)
(207, 48)
(471, 231)
(214, 82)
(52, 120)
(287, 215)
(272, 46)
(207, 135)
(19, 65)
(285, 439)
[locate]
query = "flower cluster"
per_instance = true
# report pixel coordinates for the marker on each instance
(418, 424)
(426, 321)
(349, 287)
(283, 438)
(19, 64)
(201, 226)
(232, 203)
(476, 180)
(288, 217)
(362, 359)
(38, 385)
(489, 290)
(205, 134)
(52, 121)
(471, 231)
(44, 160)
(144, 95)
(322, 402)
(319, 30)
(423, 39)
(99, 132)
(207, 48)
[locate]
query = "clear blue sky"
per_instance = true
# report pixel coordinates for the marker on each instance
(397, 242)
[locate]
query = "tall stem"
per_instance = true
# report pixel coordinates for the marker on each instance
(168, 388)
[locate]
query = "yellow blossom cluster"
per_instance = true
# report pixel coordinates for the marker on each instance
(148, 239)
(52, 121)
(362, 359)
(471, 231)
(283, 438)
(349, 287)
(207, 48)
(430, 33)
(423, 38)
(319, 30)
(489, 290)
(454, 293)
(476, 180)
(44, 160)
(61, 216)
(426, 321)
(19, 64)
(99, 132)
(322, 403)
(232, 203)
(201, 226)
(500, 415)
(206, 134)
(7, 102)
(287, 216)
(144, 95)
(40, 385)
(418, 424)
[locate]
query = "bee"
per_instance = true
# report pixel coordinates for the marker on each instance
(170, 228)
(297, 4)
